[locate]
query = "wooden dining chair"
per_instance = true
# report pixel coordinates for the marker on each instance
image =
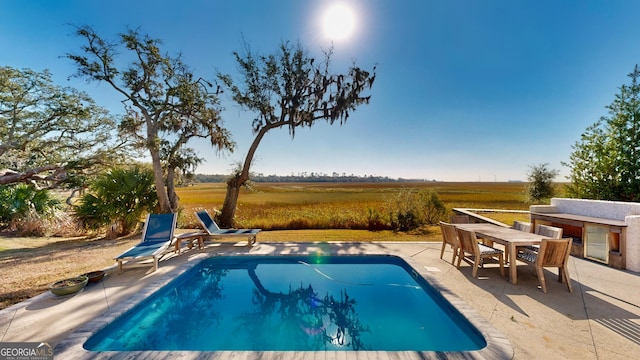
(551, 232)
(547, 231)
(475, 253)
(553, 253)
(449, 236)
(460, 219)
(521, 226)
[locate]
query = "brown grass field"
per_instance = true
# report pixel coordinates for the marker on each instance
(279, 206)
(320, 211)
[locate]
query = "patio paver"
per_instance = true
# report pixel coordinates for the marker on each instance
(599, 320)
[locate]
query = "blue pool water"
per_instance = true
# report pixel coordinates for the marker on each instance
(285, 303)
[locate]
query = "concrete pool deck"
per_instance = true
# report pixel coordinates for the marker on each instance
(599, 320)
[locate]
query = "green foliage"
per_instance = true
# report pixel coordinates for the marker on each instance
(375, 220)
(413, 208)
(288, 88)
(540, 183)
(119, 197)
(51, 135)
(166, 104)
(406, 220)
(605, 162)
(433, 209)
(21, 202)
(92, 212)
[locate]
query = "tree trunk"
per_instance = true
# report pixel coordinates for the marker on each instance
(171, 189)
(226, 218)
(161, 190)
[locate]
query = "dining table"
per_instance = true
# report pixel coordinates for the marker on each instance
(510, 238)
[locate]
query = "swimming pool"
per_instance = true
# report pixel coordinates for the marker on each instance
(293, 303)
(422, 258)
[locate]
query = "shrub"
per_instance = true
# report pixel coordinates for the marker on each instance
(375, 221)
(118, 198)
(433, 209)
(24, 208)
(540, 183)
(415, 208)
(407, 220)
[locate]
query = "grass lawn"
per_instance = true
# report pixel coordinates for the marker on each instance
(30, 264)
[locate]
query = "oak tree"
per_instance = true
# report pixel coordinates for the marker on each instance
(51, 136)
(289, 89)
(165, 104)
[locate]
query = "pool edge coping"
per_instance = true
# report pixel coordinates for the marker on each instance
(498, 345)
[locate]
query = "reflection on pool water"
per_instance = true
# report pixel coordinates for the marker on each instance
(284, 303)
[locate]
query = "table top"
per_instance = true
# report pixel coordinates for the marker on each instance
(581, 218)
(503, 234)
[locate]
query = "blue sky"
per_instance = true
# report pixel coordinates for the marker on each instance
(467, 90)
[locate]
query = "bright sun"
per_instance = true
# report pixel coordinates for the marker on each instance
(338, 22)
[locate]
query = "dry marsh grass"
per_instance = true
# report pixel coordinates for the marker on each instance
(339, 205)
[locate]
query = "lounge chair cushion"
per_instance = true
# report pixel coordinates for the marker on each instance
(213, 229)
(157, 236)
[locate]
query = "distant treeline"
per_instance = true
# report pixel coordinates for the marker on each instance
(205, 178)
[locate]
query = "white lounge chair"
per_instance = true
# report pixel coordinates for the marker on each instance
(214, 231)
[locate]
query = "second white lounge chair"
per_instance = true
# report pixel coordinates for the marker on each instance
(213, 230)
